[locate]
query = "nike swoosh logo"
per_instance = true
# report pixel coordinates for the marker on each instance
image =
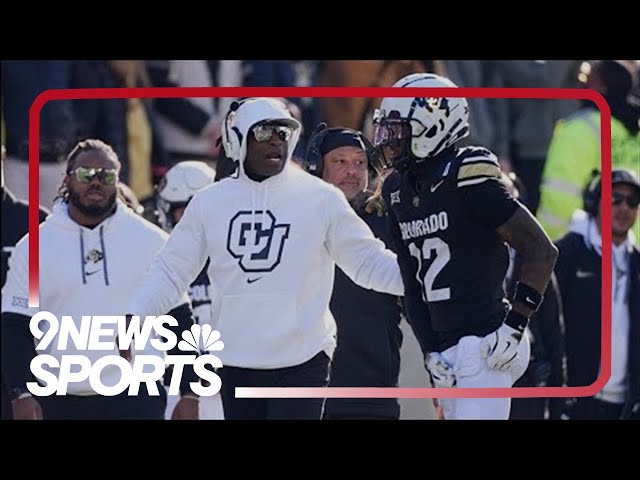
(252, 280)
(91, 273)
(584, 274)
(435, 186)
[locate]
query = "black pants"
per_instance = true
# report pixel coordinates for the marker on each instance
(528, 409)
(97, 407)
(357, 417)
(589, 408)
(313, 373)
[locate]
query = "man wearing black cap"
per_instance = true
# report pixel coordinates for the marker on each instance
(369, 336)
(578, 270)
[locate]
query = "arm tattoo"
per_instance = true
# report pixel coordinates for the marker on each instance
(523, 232)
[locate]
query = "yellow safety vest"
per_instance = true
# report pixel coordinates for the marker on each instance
(573, 154)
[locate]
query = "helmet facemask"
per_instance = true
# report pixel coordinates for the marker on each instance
(166, 213)
(431, 124)
(392, 138)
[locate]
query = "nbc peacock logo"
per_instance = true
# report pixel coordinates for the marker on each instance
(201, 338)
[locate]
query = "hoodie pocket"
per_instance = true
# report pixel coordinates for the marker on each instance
(258, 331)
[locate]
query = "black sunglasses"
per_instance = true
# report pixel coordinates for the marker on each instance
(262, 133)
(631, 201)
(107, 176)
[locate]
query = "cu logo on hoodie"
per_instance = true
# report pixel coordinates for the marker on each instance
(256, 240)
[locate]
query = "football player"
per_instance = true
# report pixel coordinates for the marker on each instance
(451, 216)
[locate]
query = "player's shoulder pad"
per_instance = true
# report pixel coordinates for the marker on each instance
(476, 165)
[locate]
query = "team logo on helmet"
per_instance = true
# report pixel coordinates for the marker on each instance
(408, 130)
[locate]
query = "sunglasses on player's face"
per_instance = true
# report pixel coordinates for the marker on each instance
(632, 201)
(107, 176)
(263, 133)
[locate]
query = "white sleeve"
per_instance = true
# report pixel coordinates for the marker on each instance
(176, 266)
(15, 293)
(358, 253)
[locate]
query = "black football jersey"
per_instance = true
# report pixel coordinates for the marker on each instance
(444, 214)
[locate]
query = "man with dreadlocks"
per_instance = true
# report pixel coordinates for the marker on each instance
(94, 251)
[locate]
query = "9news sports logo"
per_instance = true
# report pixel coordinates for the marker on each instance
(71, 350)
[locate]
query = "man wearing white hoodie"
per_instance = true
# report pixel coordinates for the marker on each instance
(273, 234)
(93, 252)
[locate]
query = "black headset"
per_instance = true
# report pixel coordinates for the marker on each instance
(313, 161)
(591, 194)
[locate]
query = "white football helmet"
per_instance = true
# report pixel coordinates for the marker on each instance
(178, 187)
(420, 127)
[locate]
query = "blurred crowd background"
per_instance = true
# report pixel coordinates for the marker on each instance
(151, 135)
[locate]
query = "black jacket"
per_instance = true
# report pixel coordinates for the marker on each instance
(369, 341)
(579, 274)
(632, 407)
(15, 224)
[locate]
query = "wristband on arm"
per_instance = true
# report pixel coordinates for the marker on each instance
(528, 296)
(525, 295)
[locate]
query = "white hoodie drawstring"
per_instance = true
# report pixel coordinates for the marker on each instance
(253, 210)
(84, 276)
(104, 257)
(265, 189)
